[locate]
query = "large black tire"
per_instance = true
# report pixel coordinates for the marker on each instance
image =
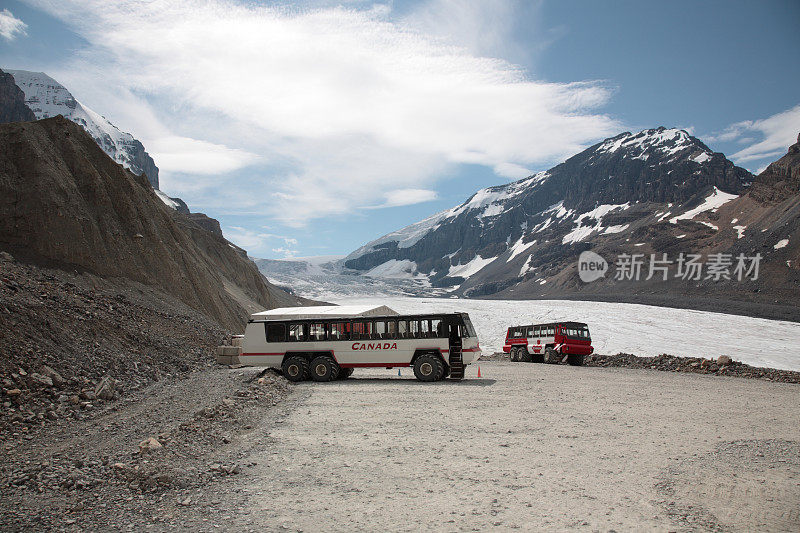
(575, 360)
(524, 355)
(324, 368)
(295, 368)
(512, 354)
(551, 356)
(344, 373)
(428, 367)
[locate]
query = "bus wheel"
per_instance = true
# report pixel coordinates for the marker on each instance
(344, 373)
(295, 368)
(514, 357)
(550, 356)
(428, 367)
(324, 368)
(575, 360)
(524, 355)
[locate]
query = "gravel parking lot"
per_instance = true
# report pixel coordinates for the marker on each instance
(531, 446)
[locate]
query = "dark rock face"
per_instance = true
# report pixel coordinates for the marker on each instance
(12, 101)
(780, 179)
(658, 166)
(48, 98)
(62, 199)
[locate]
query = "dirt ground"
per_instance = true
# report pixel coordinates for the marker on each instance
(527, 446)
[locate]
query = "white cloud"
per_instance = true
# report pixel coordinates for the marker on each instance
(183, 154)
(11, 26)
(778, 132)
(258, 242)
(351, 102)
(511, 171)
(400, 197)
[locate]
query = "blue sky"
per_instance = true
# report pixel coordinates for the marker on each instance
(311, 128)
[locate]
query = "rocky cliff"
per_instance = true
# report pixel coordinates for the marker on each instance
(62, 199)
(48, 98)
(12, 101)
(659, 191)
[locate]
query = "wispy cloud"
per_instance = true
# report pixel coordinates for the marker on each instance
(352, 101)
(11, 26)
(259, 241)
(401, 197)
(184, 154)
(777, 133)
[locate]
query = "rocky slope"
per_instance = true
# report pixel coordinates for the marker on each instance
(62, 199)
(12, 101)
(48, 98)
(658, 191)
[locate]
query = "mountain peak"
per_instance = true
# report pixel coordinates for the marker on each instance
(48, 98)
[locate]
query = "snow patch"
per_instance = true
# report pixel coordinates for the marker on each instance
(519, 247)
(739, 231)
(468, 269)
(714, 201)
(581, 232)
(394, 269)
(166, 199)
(783, 243)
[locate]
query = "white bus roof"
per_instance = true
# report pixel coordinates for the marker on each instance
(324, 311)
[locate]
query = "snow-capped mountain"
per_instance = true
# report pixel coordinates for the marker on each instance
(659, 191)
(48, 98)
(503, 233)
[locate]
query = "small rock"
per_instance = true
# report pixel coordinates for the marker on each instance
(54, 376)
(228, 402)
(149, 445)
(87, 395)
(105, 389)
(5, 256)
(41, 380)
(13, 392)
(724, 360)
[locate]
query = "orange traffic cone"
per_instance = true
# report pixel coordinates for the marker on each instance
(479, 371)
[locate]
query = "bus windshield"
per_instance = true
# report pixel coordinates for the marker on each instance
(469, 331)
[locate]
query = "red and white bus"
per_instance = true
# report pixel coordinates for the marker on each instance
(327, 343)
(549, 343)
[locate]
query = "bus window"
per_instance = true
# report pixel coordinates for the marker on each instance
(316, 331)
(425, 328)
(402, 329)
(362, 330)
(338, 331)
(380, 329)
(276, 332)
(297, 332)
(391, 329)
(550, 331)
(413, 329)
(437, 328)
(533, 332)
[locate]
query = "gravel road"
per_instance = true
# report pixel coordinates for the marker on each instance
(531, 447)
(527, 446)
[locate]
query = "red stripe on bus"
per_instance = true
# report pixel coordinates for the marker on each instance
(373, 365)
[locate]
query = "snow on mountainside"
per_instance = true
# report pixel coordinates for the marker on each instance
(658, 195)
(48, 98)
(605, 190)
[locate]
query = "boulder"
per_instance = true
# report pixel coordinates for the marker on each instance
(105, 389)
(41, 380)
(54, 376)
(149, 445)
(724, 360)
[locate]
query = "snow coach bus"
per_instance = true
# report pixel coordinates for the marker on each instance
(549, 343)
(326, 343)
